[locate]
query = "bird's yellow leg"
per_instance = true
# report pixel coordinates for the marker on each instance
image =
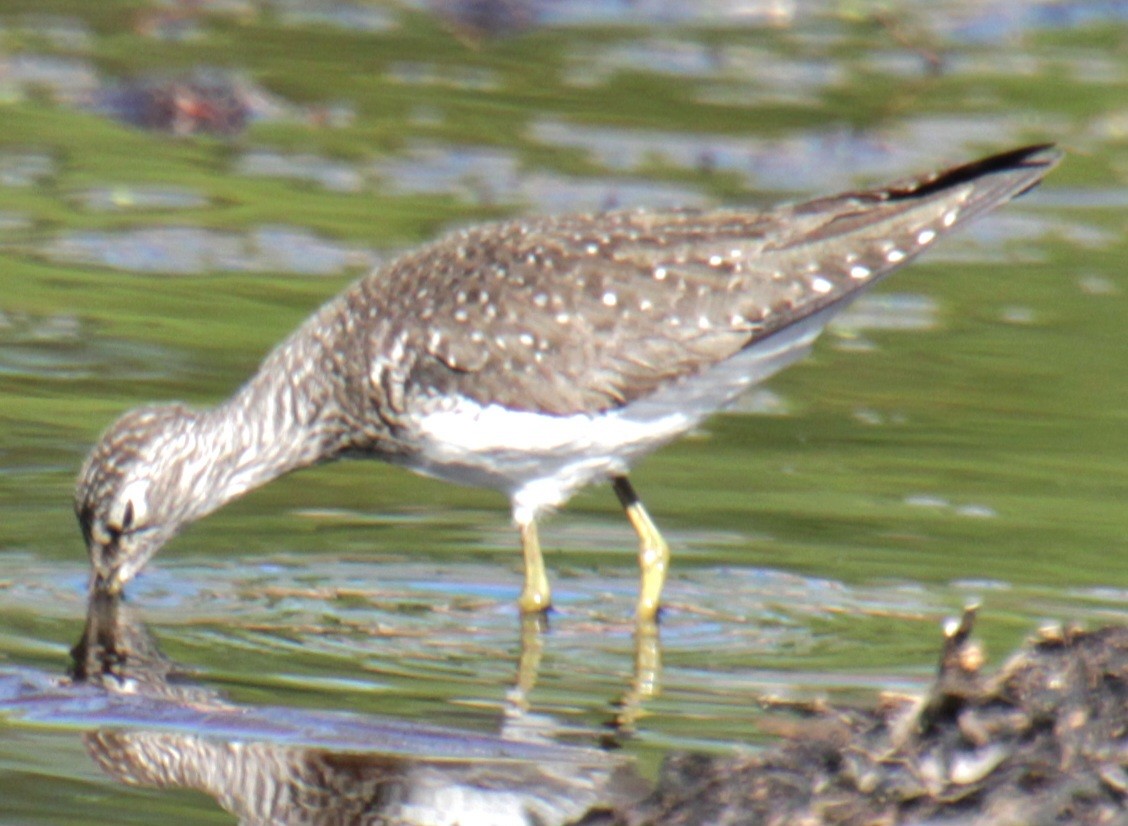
(535, 596)
(653, 552)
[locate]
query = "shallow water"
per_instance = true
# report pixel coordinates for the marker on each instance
(960, 436)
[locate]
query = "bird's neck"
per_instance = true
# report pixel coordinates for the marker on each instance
(279, 421)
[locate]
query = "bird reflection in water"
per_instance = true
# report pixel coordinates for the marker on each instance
(272, 765)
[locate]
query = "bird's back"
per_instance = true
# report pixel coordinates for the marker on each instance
(587, 313)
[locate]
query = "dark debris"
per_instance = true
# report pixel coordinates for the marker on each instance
(1043, 741)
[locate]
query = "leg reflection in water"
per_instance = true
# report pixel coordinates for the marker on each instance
(522, 724)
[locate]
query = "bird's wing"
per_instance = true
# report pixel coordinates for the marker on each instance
(585, 313)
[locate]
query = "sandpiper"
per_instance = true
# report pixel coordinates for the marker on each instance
(534, 357)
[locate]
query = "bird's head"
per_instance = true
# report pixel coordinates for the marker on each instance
(136, 489)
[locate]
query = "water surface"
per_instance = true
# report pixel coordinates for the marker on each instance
(959, 437)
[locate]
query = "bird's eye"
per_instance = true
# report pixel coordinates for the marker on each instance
(118, 524)
(130, 506)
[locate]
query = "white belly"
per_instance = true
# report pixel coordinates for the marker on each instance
(541, 460)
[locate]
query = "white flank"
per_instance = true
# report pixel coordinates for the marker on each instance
(540, 460)
(469, 428)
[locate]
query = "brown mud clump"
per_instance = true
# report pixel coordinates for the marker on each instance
(1043, 741)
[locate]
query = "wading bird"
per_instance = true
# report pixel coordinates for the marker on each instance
(533, 357)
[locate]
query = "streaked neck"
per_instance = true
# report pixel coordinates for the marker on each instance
(277, 422)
